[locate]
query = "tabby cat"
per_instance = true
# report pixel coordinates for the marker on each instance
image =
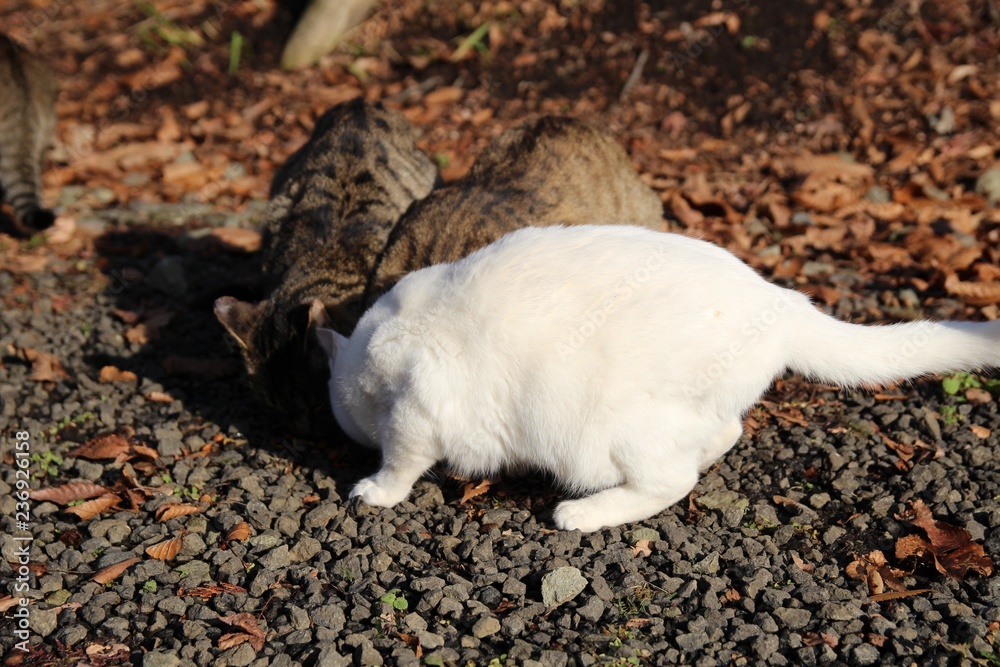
(552, 171)
(27, 121)
(332, 206)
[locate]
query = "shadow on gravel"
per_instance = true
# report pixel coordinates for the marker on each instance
(162, 284)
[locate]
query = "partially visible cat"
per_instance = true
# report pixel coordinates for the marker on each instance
(618, 359)
(551, 171)
(332, 206)
(27, 121)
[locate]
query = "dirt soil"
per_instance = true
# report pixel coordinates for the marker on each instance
(847, 148)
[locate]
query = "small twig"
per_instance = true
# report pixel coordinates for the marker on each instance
(635, 74)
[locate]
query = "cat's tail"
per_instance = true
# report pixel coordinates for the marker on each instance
(853, 354)
(23, 184)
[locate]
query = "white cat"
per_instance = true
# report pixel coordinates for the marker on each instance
(619, 359)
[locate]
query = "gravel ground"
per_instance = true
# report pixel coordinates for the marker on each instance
(437, 581)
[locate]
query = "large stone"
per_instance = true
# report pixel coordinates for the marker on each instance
(561, 585)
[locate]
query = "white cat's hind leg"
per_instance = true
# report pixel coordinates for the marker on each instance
(626, 503)
(722, 443)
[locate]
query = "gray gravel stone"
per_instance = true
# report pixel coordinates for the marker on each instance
(160, 659)
(486, 626)
(561, 585)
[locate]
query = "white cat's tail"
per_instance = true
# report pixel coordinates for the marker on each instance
(852, 354)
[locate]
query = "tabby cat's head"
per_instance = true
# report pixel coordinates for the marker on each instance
(284, 362)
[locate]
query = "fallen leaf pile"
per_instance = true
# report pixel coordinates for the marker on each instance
(949, 547)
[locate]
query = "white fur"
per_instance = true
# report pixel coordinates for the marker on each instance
(619, 359)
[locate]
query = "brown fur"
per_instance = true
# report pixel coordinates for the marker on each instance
(332, 206)
(553, 171)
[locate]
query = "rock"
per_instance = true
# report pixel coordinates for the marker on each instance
(486, 626)
(794, 619)
(329, 616)
(718, 500)
(304, 549)
(593, 610)
(320, 516)
(634, 536)
(276, 558)
(561, 585)
(43, 621)
(169, 440)
(160, 659)
(329, 656)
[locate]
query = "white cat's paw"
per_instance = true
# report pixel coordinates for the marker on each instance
(373, 494)
(576, 515)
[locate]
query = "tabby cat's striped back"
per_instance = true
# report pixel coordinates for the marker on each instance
(27, 120)
(332, 206)
(551, 171)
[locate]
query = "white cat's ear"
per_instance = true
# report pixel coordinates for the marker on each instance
(331, 341)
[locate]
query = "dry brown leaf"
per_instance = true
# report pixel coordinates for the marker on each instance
(168, 549)
(638, 622)
(876, 572)
(62, 495)
(150, 327)
(473, 490)
(413, 642)
(249, 624)
(808, 568)
(107, 652)
(976, 294)
(980, 431)
(147, 452)
(731, 595)
(169, 511)
(895, 595)
(9, 602)
(237, 239)
(44, 367)
(240, 531)
(92, 508)
(817, 639)
(952, 547)
(978, 396)
(109, 446)
(231, 639)
(108, 574)
(112, 374)
(641, 548)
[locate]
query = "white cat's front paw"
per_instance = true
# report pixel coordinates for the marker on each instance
(576, 515)
(373, 494)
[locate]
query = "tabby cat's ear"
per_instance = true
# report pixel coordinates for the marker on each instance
(318, 316)
(239, 317)
(331, 341)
